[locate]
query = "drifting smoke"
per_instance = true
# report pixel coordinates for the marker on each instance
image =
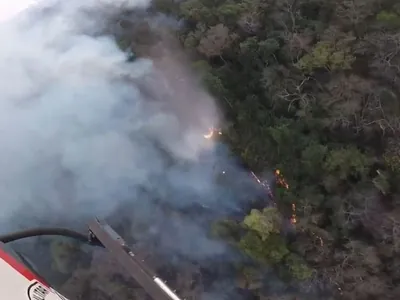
(83, 132)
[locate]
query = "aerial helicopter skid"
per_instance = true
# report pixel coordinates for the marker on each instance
(20, 281)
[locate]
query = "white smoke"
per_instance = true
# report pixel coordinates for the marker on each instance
(77, 136)
(9, 9)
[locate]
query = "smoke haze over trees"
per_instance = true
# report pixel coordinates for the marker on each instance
(304, 86)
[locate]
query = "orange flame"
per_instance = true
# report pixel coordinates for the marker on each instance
(281, 180)
(293, 218)
(211, 133)
(278, 176)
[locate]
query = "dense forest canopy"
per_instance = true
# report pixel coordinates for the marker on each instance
(310, 88)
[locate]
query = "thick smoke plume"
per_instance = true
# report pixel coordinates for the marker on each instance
(83, 132)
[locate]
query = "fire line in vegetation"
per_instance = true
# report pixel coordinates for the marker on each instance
(279, 178)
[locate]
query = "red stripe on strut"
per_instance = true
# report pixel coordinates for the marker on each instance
(20, 267)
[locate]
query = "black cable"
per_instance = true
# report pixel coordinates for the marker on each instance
(11, 237)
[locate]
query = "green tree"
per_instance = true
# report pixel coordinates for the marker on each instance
(325, 55)
(297, 267)
(389, 18)
(264, 223)
(229, 13)
(215, 40)
(391, 155)
(195, 10)
(192, 39)
(312, 158)
(270, 251)
(347, 161)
